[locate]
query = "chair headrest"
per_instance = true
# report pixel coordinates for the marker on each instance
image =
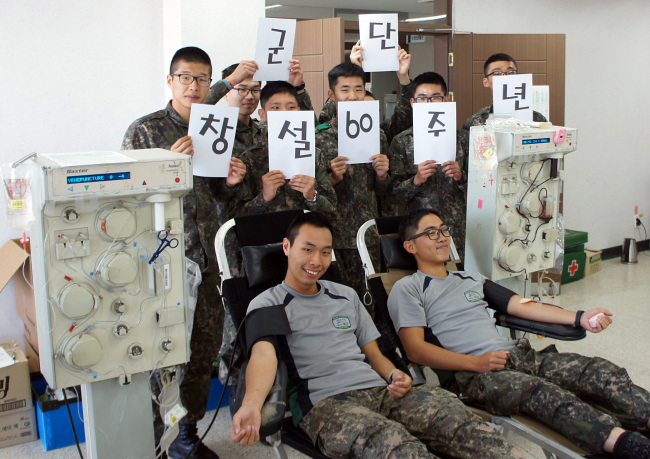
(265, 228)
(388, 225)
(264, 264)
(396, 256)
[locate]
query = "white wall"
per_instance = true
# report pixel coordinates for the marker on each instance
(77, 73)
(607, 66)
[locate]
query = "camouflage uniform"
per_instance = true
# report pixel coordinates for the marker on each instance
(551, 387)
(161, 130)
(479, 118)
(356, 198)
(286, 198)
(370, 424)
(439, 192)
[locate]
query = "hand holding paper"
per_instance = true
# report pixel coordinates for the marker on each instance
(236, 173)
(183, 145)
(245, 70)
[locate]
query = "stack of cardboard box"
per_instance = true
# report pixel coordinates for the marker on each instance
(16, 409)
(16, 265)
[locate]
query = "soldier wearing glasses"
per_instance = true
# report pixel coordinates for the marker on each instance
(189, 79)
(428, 184)
(496, 65)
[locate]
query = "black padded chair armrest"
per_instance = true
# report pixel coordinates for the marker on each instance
(555, 331)
(275, 404)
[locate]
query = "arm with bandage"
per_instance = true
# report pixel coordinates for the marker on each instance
(498, 297)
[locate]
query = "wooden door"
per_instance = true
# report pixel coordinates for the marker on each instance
(543, 55)
(320, 46)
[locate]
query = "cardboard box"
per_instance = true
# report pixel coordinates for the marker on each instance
(594, 261)
(54, 427)
(33, 360)
(15, 388)
(13, 257)
(17, 427)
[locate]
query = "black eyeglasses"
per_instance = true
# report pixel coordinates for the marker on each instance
(434, 233)
(502, 73)
(187, 80)
(244, 91)
(430, 99)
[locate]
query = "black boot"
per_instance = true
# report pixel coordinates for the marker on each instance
(185, 441)
(632, 445)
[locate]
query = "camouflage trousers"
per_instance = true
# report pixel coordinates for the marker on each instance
(370, 423)
(204, 346)
(228, 352)
(582, 397)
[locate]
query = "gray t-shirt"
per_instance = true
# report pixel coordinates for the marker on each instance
(323, 352)
(453, 311)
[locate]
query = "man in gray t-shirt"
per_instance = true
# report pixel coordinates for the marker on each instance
(443, 323)
(348, 397)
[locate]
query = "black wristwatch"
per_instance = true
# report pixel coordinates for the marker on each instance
(301, 87)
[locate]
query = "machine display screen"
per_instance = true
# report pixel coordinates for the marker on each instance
(534, 141)
(98, 177)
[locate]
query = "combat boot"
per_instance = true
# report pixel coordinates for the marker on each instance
(184, 443)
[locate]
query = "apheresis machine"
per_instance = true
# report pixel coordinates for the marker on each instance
(514, 185)
(109, 270)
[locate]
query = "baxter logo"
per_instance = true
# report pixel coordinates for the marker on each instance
(472, 296)
(341, 322)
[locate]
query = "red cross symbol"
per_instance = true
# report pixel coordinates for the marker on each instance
(573, 268)
(491, 179)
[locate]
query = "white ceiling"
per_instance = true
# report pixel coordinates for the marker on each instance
(408, 6)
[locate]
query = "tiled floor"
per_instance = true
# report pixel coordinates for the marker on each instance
(623, 289)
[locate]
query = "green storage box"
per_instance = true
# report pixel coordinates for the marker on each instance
(575, 259)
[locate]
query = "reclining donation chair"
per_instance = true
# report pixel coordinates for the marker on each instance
(399, 263)
(264, 265)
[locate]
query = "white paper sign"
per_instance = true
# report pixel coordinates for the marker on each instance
(212, 129)
(512, 95)
(358, 130)
(434, 132)
(274, 49)
(378, 34)
(292, 143)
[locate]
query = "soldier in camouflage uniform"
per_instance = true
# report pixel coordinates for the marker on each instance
(496, 65)
(168, 129)
(357, 186)
(268, 191)
(430, 185)
(440, 317)
(349, 399)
